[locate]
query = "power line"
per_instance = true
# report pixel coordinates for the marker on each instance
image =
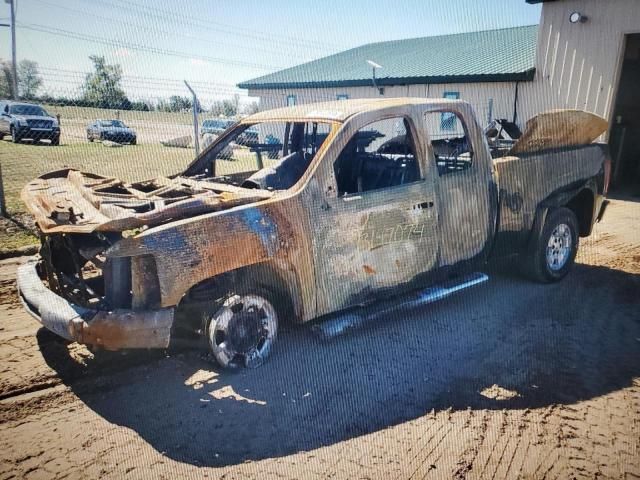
(143, 48)
(225, 28)
(62, 77)
(160, 32)
(151, 79)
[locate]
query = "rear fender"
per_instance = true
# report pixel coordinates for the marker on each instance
(579, 199)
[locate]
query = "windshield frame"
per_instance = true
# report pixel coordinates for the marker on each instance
(111, 124)
(43, 112)
(206, 160)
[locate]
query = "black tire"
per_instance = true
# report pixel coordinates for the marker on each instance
(553, 253)
(241, 327)
(55, 141)
(134, 141)
(15, 138)
(90, 138)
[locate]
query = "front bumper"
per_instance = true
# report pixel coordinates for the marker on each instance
(119, 137)
(38, 133)
(111, 330)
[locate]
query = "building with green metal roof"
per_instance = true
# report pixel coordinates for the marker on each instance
(482, 67)
(503, 55)
(584, 54)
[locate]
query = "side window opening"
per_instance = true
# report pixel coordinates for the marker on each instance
(288, 159)
(447, 119)
(449, 142)
(380, 155)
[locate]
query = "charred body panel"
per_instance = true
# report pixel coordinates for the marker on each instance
(546, 179)
(68, 201)
(123, 257)
(191, 251)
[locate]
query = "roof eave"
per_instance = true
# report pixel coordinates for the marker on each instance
(524, 76)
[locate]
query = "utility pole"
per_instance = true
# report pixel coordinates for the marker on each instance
(196, 107)
(14, 63)
(3, 202)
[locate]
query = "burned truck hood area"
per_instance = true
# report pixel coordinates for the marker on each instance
(70, 201)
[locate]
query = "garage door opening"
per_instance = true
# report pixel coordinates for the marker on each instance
(625, 130)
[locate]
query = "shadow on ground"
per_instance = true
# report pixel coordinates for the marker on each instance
(548, 344)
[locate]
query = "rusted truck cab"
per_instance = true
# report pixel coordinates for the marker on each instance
(351, 201)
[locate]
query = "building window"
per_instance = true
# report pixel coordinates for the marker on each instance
(342, 96)
(448, 120)
(291, 100)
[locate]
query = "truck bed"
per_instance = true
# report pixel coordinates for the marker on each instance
(527, 179)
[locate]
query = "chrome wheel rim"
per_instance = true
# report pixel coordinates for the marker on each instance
(559, 247)
(242, 331)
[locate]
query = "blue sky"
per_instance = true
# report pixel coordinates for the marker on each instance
(216, 44)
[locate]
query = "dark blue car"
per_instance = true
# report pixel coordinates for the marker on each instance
(215, 126)
(26, 120)
(114, 130)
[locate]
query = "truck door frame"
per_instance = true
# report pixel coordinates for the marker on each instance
(343, 277)
(480, 178)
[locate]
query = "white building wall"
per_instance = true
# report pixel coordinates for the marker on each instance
(578, 65)
(488, 98)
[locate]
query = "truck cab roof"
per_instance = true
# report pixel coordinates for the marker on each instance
(340, 110)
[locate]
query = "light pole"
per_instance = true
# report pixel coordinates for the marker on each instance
(374, 65)
(14, 75)
(196, 105)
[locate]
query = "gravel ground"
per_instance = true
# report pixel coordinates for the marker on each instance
(511, 379)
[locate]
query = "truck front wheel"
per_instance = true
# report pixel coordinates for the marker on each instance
(15, 137)
(555, 248)
(242, 330)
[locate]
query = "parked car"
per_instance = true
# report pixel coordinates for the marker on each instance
(248, 137)
(27, 120)
(215, 126)
(327, 229)
(113, 130)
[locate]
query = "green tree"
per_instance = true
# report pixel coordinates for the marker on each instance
(179, 104)
(6, 86)
(103, 86)
(251, 108)
(226, 107)
(29, 80)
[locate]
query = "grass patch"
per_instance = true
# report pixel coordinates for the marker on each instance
(13, 235)
(16, 239)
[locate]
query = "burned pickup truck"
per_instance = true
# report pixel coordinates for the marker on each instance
(357, 200)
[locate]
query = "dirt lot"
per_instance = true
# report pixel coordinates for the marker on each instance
(509, 380)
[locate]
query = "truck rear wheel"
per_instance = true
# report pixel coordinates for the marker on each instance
(555, 249)
(242, 330)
